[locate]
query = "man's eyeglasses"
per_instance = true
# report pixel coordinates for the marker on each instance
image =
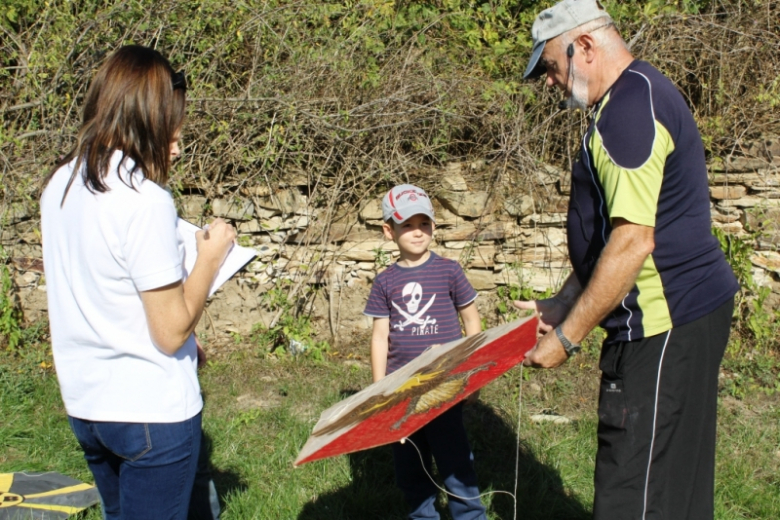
(179, 80)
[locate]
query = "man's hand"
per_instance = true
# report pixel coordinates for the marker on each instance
(551, 312)
(548, 353)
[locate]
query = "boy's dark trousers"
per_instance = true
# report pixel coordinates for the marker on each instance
(443, 439)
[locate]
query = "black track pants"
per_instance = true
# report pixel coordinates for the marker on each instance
(657, 419)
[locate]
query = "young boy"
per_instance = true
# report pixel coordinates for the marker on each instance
(415, 303)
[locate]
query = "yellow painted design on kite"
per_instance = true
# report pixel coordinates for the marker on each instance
(62, 509)
(6, 480)
(378, 405)
(443, 393)
(440, 394)
(10, 500)
(418, 380)
(419, 384)
(61, 491)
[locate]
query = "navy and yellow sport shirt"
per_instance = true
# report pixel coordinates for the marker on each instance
(642, 160)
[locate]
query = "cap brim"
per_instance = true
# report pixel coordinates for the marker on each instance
(535, 69)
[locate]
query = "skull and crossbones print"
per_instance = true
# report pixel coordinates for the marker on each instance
(412, 295)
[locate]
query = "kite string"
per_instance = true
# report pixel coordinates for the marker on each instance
(517, 457)
(517, 446)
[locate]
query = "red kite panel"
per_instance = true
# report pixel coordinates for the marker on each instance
(409, 398)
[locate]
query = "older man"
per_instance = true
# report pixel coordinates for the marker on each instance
(646, 267)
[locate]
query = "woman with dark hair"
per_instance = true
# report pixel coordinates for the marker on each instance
(122, 319)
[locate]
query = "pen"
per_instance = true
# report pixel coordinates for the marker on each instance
(206, 231)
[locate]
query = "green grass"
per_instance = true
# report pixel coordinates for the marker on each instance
(34, 431)
(260, 411)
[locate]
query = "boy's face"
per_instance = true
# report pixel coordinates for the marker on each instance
(413, 235)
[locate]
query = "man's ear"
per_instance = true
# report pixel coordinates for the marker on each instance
(388, 230)
(588, 46)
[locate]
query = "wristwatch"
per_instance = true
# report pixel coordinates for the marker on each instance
(568, 346)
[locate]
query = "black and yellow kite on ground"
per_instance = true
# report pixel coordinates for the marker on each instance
(43, 496)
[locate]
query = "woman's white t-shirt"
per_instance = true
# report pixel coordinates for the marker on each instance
(100, 250)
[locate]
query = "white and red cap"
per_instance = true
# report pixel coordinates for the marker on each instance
(405, 201)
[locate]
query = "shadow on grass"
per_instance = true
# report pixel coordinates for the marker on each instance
(226, 483)
(372, 493)
(540, 491)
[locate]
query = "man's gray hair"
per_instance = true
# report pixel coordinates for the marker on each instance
(603, 31)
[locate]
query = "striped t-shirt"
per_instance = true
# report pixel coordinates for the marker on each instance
(422, 304)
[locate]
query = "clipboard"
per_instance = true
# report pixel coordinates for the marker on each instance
(237, 257)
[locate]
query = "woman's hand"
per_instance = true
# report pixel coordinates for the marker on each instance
(201, 353)
(215, 240)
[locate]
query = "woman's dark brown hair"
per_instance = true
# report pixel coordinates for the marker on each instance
(132, 106)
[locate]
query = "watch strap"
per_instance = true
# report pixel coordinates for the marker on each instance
(568, 346)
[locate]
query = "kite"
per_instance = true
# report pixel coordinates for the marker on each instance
(406, 400)
(43, 496)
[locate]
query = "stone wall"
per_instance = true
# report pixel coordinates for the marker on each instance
(745, 196)
(499, 238)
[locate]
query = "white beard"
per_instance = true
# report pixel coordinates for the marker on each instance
(579, 91)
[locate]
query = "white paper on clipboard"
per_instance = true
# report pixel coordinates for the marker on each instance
(237, 258)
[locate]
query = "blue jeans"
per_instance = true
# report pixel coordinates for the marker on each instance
(141, 470)
(443, 439)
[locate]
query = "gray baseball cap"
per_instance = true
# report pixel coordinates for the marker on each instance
(558, 19)
(405, 201)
